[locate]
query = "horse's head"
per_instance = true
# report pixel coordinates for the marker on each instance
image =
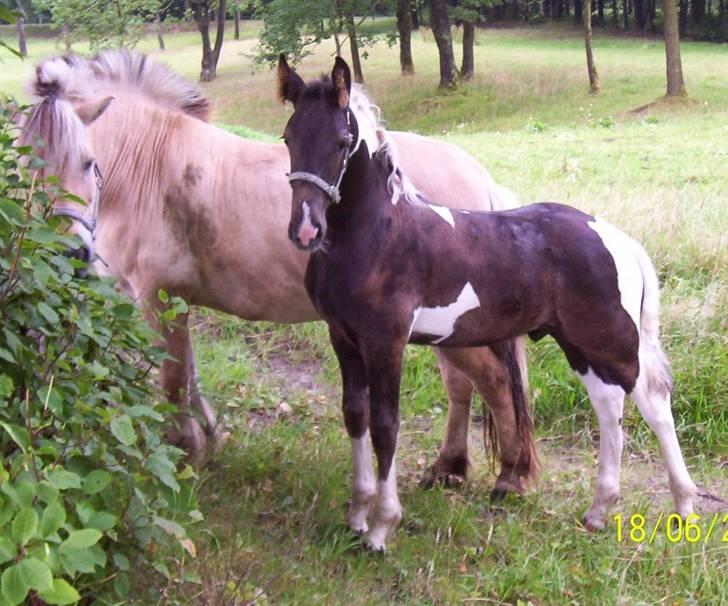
(320, 138)
(57, 129)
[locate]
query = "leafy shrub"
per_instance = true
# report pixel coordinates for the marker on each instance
(88, 487)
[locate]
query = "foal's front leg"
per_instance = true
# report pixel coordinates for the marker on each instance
(355, 406)
(384, 369)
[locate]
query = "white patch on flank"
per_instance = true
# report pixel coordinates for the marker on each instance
(629, 276)
(440, 321)
(364, 484)
(387, 511)
(445, 213)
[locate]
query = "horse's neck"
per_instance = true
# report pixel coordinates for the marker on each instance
(363, 189)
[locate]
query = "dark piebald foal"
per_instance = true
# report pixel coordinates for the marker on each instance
(387, 271)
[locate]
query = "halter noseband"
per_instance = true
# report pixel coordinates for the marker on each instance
(332, 191)
(95, 203)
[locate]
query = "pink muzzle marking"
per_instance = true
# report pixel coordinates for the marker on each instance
(306, 231)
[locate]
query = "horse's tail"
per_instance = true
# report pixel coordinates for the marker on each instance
(512, 354)
(653, 362)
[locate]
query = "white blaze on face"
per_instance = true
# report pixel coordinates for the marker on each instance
(445, 213)
(629, 276)
(306, 231)
(440, 321)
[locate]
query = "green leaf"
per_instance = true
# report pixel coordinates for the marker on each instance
(8, 550)
(63, 479)
(52, 519)
(170, 527)
(18, 434)
(121, 585)
(163, 296)
(24, 525)
(13, 586)
(160, 465)
(96, 481)
(80, 539)
(47, 492)
(36, 574)
(101, 520)
(123, 430)
(6, 386)
(83, 560)
(48, 313)
(121, 561)
(62, 593)
(123, 311)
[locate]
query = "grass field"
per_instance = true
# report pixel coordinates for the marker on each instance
(275, 497)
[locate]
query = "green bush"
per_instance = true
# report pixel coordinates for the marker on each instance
(88, 487)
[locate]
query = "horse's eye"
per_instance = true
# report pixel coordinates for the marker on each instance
(285, 141)
(88, 164)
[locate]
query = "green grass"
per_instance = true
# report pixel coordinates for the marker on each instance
(274, 498)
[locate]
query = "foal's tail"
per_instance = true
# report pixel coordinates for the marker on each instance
(512, 354)
(653, 362)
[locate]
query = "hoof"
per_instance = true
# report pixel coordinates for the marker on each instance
(443, 474)
(594, 522)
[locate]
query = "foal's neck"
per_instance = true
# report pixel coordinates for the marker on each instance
(364, 194)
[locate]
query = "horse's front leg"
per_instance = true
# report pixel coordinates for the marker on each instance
(355, 406)
(384, 369)
(175, 376)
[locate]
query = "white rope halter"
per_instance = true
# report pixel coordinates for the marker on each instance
(332, 191)
(73, 214)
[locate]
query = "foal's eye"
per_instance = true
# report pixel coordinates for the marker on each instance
(88, 164)
(285, 141)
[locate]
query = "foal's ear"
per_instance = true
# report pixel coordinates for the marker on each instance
(341, 77)
(290, 83)
(88, 112)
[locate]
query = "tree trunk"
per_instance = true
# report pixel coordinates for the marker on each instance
(440, 24)
(236, 15)
(615, 13)
(354, 46)
(404, 27)
(160, 37)
(675, 82)
(590, 67)
(210, 55)
(468, 67)
(20, 25)
(66, 36)
(337, 42)
(600, 11)
(625, 8)
(683, 26)
(640, 15)
(698, 10)
(578, 10)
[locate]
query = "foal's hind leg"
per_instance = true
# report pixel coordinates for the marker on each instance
(608, 403)
(653, 400)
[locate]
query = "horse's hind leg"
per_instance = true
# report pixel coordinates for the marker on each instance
(452, 462)
(514, 445)
(608, 403)
(652, 395)
(198, 402)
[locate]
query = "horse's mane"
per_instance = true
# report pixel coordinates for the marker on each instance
(115, 72)
(370, 121)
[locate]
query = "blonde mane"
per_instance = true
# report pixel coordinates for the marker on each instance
(115, 72)
(371, 126)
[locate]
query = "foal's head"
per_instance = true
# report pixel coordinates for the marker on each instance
(57, 128)
(320, 136)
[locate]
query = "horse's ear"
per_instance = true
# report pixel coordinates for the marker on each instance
(88, 112)
(341, 77)
(290, 83)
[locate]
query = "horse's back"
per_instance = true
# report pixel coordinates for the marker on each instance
(448, 175)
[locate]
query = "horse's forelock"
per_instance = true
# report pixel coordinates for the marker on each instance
(54, 127)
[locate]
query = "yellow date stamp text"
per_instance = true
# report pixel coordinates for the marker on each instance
(674, 527)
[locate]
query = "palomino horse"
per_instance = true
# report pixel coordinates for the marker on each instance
(191, 209)
(388, 269)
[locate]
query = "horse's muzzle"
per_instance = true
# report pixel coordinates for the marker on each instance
(83, 254)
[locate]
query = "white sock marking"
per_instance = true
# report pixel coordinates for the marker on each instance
(364, 484)
(629, 276)
(387, 511)
(445, 213)
(440, 321)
